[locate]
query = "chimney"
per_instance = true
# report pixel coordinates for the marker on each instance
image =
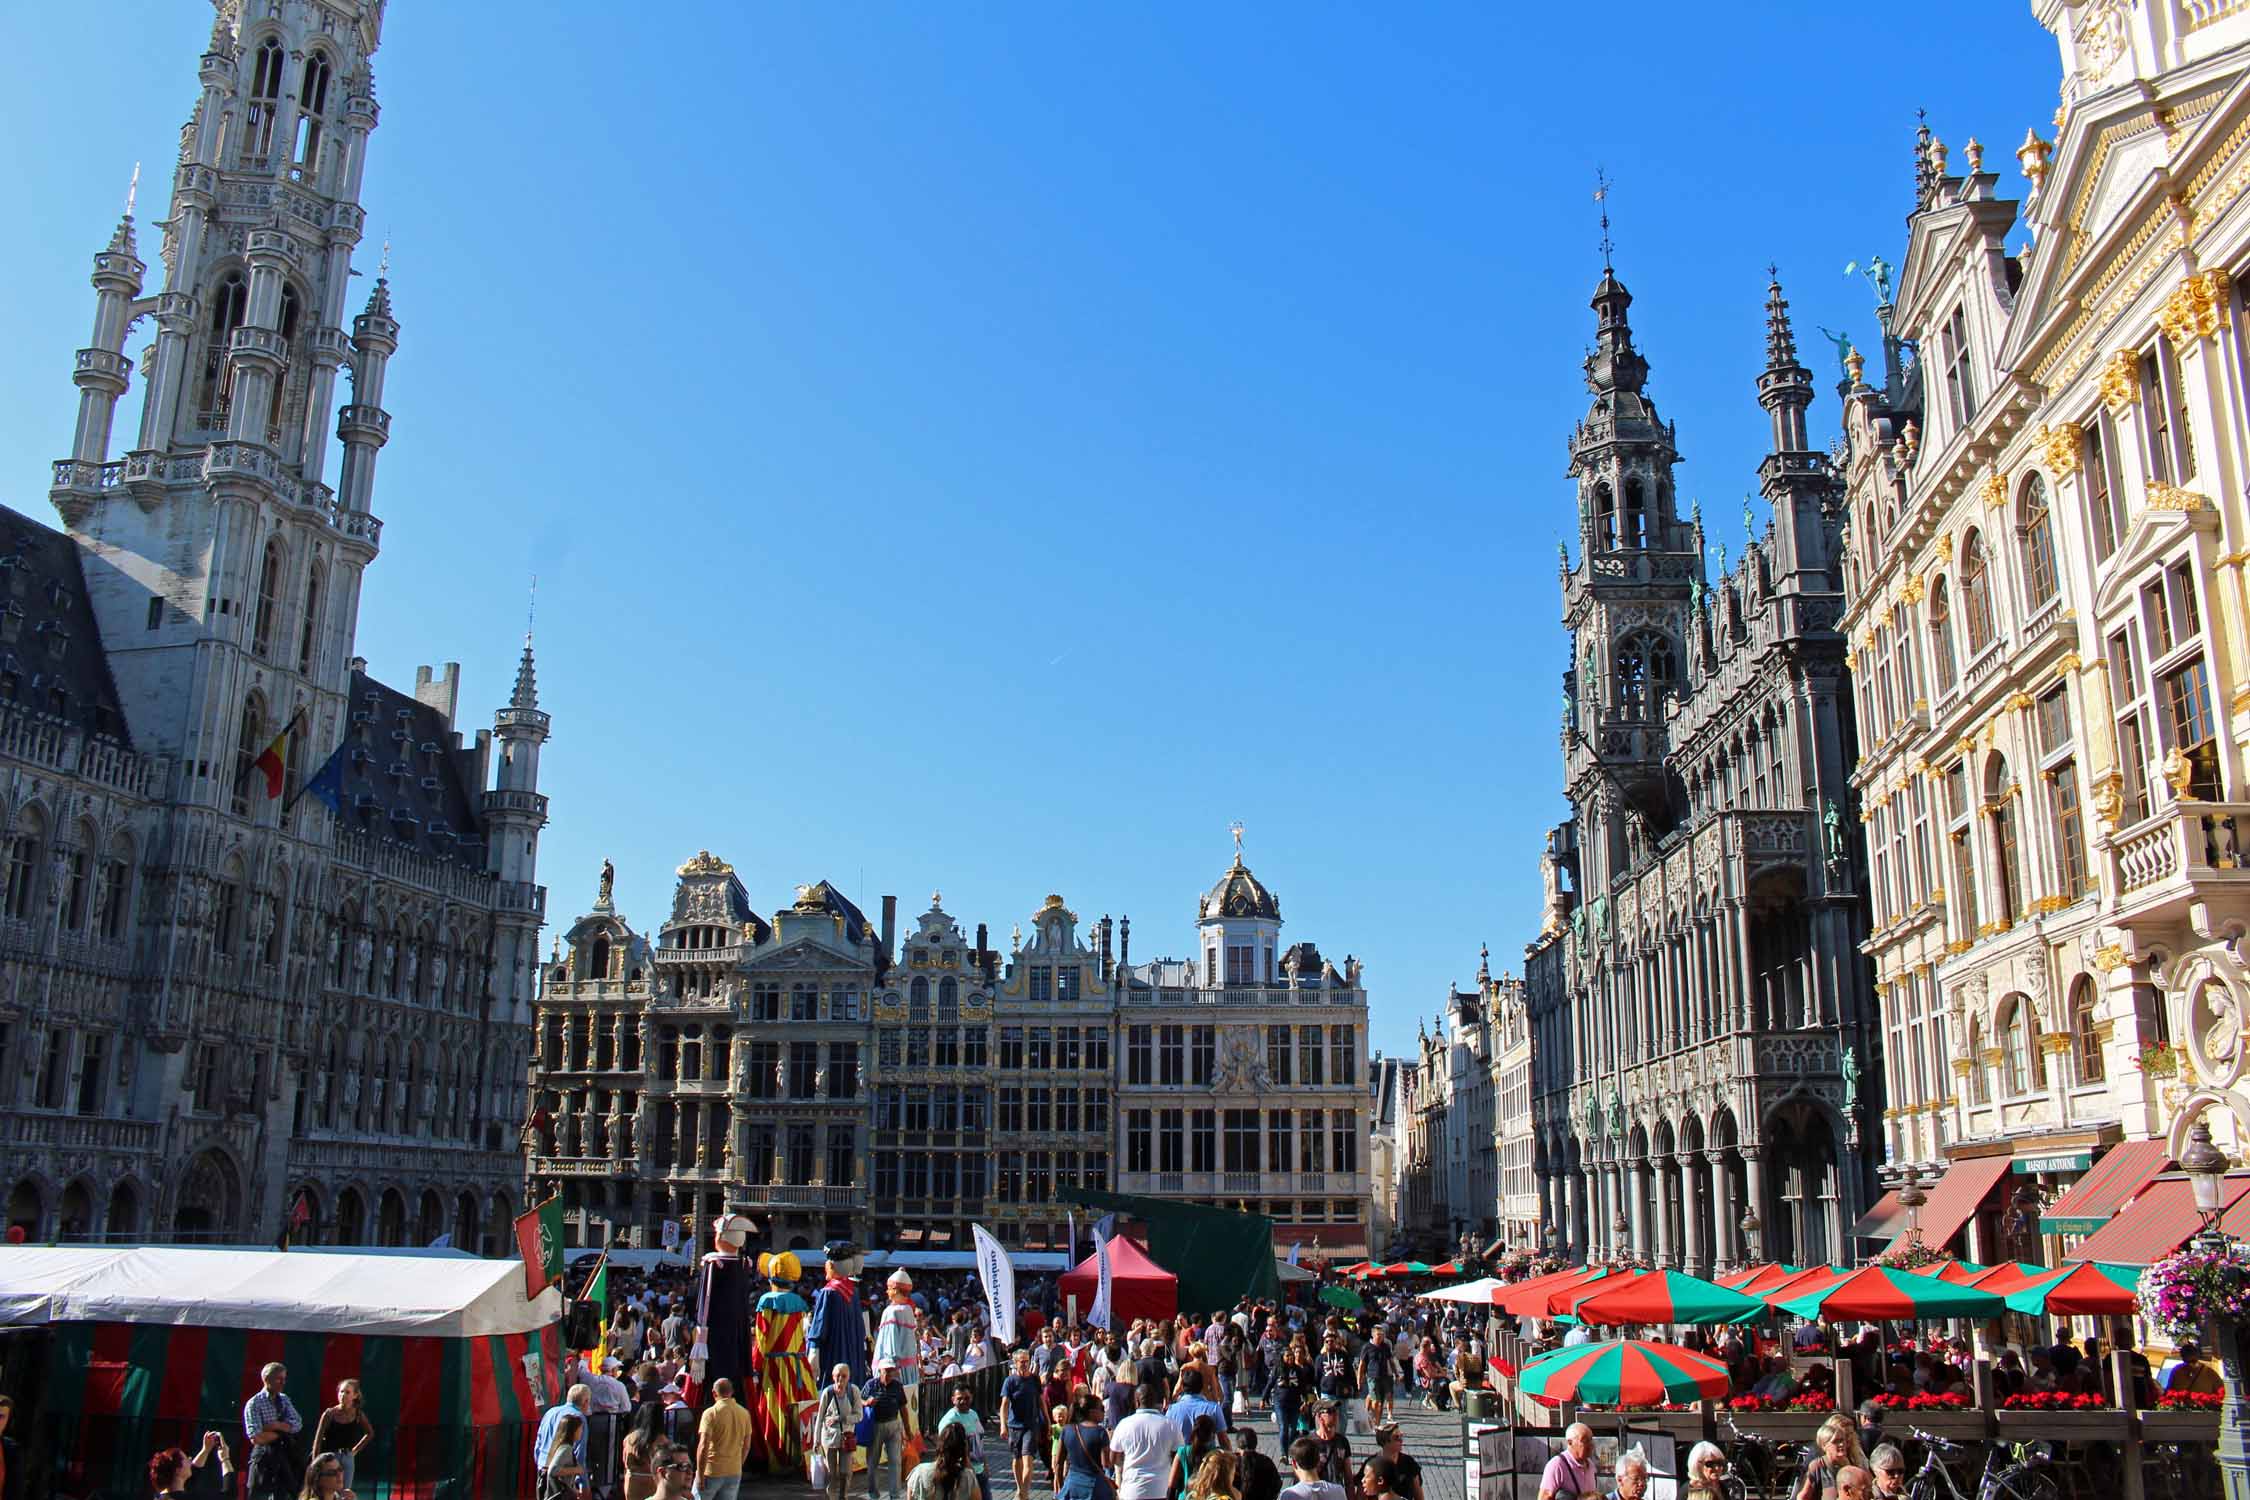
(890, 927)
(1104, 945)
(1124, 941)
(980, 944)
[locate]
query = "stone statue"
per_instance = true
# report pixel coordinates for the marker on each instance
(1850, 1069)
(2217, 1023)
(608, 885)
(390, 962)
(363, 961)
(413, 967)
(1844, 349)
(1550, 877)
(438, 970)
(621, 1133)
(1832, 824)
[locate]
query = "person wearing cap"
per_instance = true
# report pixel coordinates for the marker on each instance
(610, 1392)
(886, 1448)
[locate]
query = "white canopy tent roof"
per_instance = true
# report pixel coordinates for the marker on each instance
(437, 1296)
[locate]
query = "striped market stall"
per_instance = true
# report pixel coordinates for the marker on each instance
(148, 1348)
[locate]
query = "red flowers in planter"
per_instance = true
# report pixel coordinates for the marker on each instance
(1921, 1401)
(1753, 1403)
(1810, 1401)
(2190, 1401)
(2053, 1401)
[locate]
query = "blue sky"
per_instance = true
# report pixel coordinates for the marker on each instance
(991, 448)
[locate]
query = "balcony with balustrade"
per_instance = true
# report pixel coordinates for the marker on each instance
(2183, 854)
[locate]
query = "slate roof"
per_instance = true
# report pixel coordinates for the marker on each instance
(406, 777)
(827, 898)
(51, 656)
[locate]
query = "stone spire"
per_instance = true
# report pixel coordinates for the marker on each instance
(1615, 365)
(1784, 386)
(526, 694)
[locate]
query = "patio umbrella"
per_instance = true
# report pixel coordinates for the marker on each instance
(1479, 1291)
(1665, 1297)
(1777, 1292)
(1563, 1301)
(1961, 1272)
(1879, 1292)
(1342, 1297)
(2012, 1277)
(1450, 1268)
(1408, 1268)
(1528, 1298)
(1626, 1372)
(1357, 1268)
(2090, 1289)
(1755, 1279)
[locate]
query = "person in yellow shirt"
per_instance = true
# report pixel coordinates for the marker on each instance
(722, 1441)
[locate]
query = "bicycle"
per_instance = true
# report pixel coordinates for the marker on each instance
(1752, 1463)
(2016, 1473)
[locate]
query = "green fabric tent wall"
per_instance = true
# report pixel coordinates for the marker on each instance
(1219, 1255)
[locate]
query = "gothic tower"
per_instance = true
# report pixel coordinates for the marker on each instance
(222, 566)
(1625, 605)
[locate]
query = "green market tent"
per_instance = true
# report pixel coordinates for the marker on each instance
(1220, 1256)
(149, 1347)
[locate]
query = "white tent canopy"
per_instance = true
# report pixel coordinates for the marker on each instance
(399, 1295)
(1480, 1291)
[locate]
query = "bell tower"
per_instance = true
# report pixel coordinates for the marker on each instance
(220, 562)
(1625, 603)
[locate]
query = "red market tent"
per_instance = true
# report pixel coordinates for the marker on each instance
(1138, 1286)
(148, 1348)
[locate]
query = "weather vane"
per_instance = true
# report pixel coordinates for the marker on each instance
(383, 265)
(1601, 196)
(132, 190)
(531, 611)
(1235, 828)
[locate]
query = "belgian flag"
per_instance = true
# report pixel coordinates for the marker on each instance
(273, 761)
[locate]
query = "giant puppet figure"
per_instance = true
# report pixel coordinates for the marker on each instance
(838, 1336)
(786, 1388)
(723, 1309)
(895, 1335)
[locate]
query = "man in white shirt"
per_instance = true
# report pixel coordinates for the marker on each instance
(610, 1393)
(1143, 1446)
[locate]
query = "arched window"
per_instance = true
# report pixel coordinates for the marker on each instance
(2085, 1031)
(597, 959)
(286, 326)
(269, 592)
(309, 635)
(265, 98)
(2007, 860)
(2038, 534)
(1941, 633)
(114, 891)
(949, 999)
(1976, 593)
(230, 304)
(312, 101)
(1605, 517)
(249, 741)
(2015, 1048)
(1636, 516)
(1978, 1088)
(1645, 674)
(918, 999)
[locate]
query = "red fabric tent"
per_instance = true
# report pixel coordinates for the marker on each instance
(1138, 1286)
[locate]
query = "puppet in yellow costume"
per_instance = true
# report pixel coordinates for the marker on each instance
(785, 1384)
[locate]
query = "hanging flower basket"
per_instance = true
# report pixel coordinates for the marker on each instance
(2193, 1288)
(2159, 1060)
(1912, 1255)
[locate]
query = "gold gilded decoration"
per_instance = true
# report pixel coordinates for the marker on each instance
(1911, 591)
(2196, 310)
(2171, 497)
(1963, 1067)
(2066, 664)
(2054, 1043)
(1994, 489)
(2060, 443)
(2032, 156)
(2120, 381)
(706, 863)
(2179, 771)
(1855, 366)
(2020, 701)
(1974, 151)
(2109, 800)
(2109, 959)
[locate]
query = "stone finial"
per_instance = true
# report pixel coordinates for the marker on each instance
(1855, 367)
(1781, 339)
(1974, 151)
(2032, 155)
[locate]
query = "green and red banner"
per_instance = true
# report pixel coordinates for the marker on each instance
(461, 1413)
(539, 1238)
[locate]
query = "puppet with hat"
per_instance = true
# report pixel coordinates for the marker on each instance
(834, 1327)
(723, 1307)
(785, 1383)
(896, 1335)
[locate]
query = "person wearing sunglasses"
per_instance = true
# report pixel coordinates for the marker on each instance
(1889, 1463)
(325, 1479)
(1706, 1468)
(675, 1473)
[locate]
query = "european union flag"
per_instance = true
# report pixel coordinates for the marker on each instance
(327, 783)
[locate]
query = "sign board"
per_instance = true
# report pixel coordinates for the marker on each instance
(2058, 1161)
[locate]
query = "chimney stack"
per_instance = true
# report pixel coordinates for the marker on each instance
(890, 928)
(980, 944)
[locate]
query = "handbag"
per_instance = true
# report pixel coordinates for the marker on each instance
(816, 1469)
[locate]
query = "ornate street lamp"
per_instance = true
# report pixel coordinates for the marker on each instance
(1624, 1230)
(1749, 1228)
(1911, 1198)
(2024, 1222)
(2206, 1168)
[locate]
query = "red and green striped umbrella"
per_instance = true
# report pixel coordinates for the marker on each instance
(1623, 1372)
(1406, 1268)
(1449, 1268)
(1960, 1272)
(1755, 1279)
(2012, 1277)
(1528, 1298)
(1666, 1297)
(1876, 1292)
(2091, 1289)
(1774, 1293)
(1563, 1301)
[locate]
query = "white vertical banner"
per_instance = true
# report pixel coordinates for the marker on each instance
(998, 1277)
(1100, 1316)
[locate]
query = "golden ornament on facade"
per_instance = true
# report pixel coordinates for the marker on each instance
(2060, 443)
(2196, 309)
(1912, 590)
(1963, 1067)
(2032, 155)
(2020, 701)
(1855, 366)
(2179, 772)
(2109, 958)
(2066, 664)
(2120, 381)
(1994, 489)
(2170, 497)
(2109, 800)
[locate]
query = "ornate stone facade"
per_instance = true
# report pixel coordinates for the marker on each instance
(1702, 1021)
(2049, 624)
(221, 1009)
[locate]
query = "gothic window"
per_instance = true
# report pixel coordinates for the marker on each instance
(269, 590)
(230, 304)
(2105, 508)
(1960, 383)
(114, 891)
(1978, 1090)
(308, 634)
(2038, 542)
(287, 327)
(1635, 531)
(1605, 517)
(1645, 673)
(1941, 634)
(2085, 1033)
(75, 892)
(265, 99)
(312, 100)
(1976, 594)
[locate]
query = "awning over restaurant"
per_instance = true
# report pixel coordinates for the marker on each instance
(2153, 1224)
(1885, 1221)
(1955, 1196)
(2094, 1199)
